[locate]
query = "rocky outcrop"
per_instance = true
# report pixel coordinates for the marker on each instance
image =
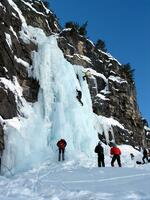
(112, 91)
(8, 107)
(15, 55)
(12, 48)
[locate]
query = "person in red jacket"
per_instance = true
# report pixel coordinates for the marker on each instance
(61, 147)
(115, 151)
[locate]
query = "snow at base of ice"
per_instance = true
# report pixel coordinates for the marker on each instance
(68, 180)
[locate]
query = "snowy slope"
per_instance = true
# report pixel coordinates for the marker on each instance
(80, 179)
(67, 181)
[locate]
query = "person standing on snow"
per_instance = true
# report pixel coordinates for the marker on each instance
(100, 152)
(115, 151)
(145, 155)
(61, 147)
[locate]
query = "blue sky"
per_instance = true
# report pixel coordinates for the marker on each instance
(124, 25)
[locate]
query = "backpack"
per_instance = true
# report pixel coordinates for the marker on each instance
(61, 144)
(138, 162)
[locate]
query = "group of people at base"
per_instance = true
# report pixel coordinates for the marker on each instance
(115, 153)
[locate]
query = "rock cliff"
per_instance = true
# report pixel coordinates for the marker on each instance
(113, 91)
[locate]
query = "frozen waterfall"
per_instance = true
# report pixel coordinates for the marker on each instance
(32, 139)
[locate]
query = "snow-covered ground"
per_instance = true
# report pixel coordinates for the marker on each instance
(80, 179)
(69, 181)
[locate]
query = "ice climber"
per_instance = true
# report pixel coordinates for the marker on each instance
(115, 152)
(61, 148)
(87, 74)
(79, 96)
(100, 153)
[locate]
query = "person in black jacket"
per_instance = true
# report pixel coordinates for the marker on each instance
(100, 152)
(145, 155)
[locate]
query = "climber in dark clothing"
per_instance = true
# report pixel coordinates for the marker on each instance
(79, 96)
(87, 75)
(100, 152)
(61, 147)
(145, 155)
